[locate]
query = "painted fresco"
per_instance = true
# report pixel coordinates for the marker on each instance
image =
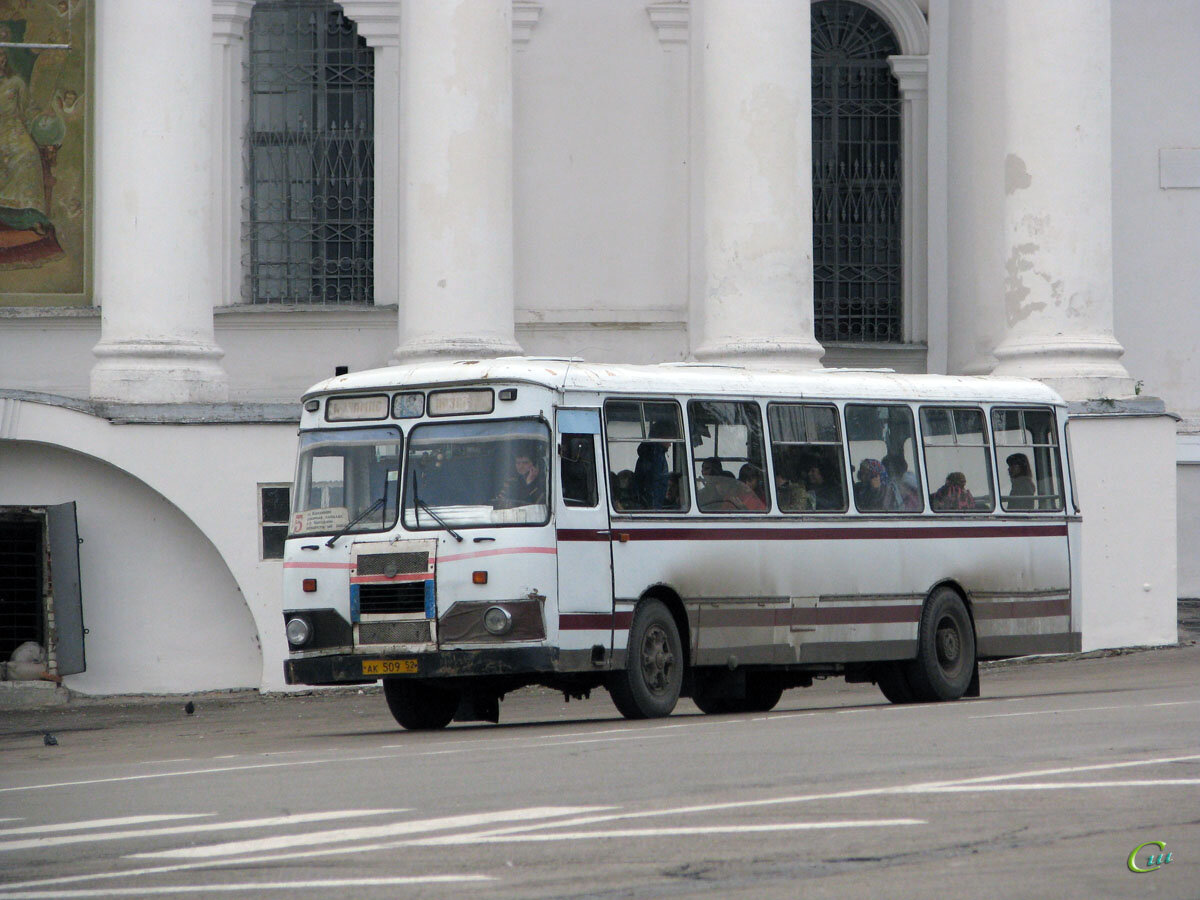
(45, 160)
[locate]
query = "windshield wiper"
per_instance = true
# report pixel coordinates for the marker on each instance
(362, 515)
(419, 504)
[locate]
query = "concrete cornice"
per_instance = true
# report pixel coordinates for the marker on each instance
(167, 413)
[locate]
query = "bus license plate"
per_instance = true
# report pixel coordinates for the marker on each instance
(389, 666)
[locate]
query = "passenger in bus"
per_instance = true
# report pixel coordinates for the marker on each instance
(792, 495)
(527, 486)
(953, 495)
(869, 489)
(825, 494)
(751, 493)
(902, 490)
(650, 471)
(715, 488)
(1024, 489)
(624, 493)
(673, 500)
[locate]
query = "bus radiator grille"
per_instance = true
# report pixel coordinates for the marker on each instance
(393, 632)
(391, 564)
(384, 599)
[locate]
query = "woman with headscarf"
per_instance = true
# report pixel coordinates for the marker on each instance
(870, 490)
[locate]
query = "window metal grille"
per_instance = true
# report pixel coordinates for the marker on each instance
(856, 176)
(309, 156)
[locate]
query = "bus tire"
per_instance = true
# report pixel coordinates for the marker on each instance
(762, 693)
(419, 706)
(893, 683)
(945, 649)
(649, 685)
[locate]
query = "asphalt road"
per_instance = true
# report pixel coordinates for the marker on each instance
(1040, 788)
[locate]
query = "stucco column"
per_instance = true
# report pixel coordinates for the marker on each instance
(154, 204)
(1058, 290)
(456, 86)
(757, 142)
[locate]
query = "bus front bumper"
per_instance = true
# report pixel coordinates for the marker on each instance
(360, 668)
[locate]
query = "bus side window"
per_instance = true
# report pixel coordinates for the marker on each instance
(806, 448)
(957, 461)
(883, 453)
(647, 455)
(577, 454)
(1027, 458)
(727, 445)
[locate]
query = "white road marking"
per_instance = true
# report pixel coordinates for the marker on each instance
(364, 833)
(678, 831)
(297, 819)
(1073, 709)
(1059, 785)
(97, 823)
(477, 745)
(260, 886)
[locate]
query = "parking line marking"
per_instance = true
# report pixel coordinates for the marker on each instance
(91, 837)
(1059, 785)
(363, 833)
(259, 886)
(96, 823)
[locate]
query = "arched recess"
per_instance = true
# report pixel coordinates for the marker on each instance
(911, 69)
(163, 611)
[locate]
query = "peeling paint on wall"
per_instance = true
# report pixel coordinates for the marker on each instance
(1016, 175)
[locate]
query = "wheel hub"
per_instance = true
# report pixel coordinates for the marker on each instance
(658, 662)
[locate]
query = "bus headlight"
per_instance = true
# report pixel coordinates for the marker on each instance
(497, 620)
(299, 631)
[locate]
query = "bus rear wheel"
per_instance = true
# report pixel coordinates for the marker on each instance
(945, 659)
(649, 685)
(419, 706)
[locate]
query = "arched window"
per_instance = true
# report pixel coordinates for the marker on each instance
(309, 156)
(857, 190)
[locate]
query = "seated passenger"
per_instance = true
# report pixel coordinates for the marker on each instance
(953, 495)
(869, 489)
(624, 493)
(752, 493)
(715, 486)
(527, 486)
(1024, 489)
(673, 499)
(903, 492)
(824, 494)
(793, 496)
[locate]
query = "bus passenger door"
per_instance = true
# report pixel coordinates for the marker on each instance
(585, 585)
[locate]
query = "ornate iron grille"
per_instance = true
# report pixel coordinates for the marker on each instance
(309, 156)
(856, 176)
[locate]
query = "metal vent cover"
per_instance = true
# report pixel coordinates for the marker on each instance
(394, 632)
(392, 564)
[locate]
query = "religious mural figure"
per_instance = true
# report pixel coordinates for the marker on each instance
(45, 219)
(26, 232)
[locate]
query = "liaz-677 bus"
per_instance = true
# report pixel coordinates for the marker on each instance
(463, 529)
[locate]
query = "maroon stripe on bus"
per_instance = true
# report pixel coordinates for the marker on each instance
(838, 534)
(594, 621)
(582, 534)
(844, 615)
(1022, 609)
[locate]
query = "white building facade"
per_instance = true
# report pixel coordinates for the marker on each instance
(278, 188)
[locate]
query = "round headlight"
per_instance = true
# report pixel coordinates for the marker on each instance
(497, 620)
(299, 631)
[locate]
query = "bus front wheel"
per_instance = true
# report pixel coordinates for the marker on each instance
(419, 706)
(649, 685)
(945, 649)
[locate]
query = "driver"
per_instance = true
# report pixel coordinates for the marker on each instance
(527, 486)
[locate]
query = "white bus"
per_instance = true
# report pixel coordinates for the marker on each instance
(463, 529)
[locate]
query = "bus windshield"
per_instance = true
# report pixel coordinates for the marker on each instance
(346, 479)
(464, 474)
